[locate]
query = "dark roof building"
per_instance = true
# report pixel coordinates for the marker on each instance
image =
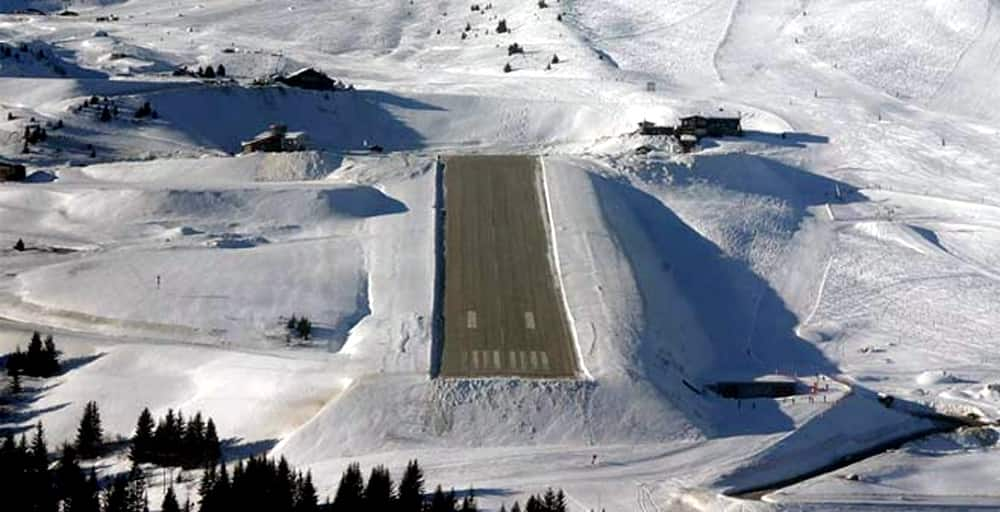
(720, 125)
(650, 128)
(277, 138)
(308, 78)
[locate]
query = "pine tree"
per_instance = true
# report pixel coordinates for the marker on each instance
(221, 489)
(68, 475)
(220, 70)
(15, 387)
(350, 491)
(516, 507)
(560, 501)
(306, 499)
(469, 501)
(206, 485)
(116, 496)
(284, 482)
(142, 441)
(441, 502)
(194, 443)
(304, 328)
(16, 361)
(34, 358)
(39, 478)
(39, 455)
(170, 501)
(411, 488)
(50, 357)
(136, 500)
(213, 448)
(533, 505)
(378, 493)
(90, 433)
(549, 500)
(87, 496)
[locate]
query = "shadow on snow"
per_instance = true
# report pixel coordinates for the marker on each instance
(694, 294)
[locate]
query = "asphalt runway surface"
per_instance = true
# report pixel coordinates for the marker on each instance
(503, 311)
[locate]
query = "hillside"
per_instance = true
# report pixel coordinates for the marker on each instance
(848, 239)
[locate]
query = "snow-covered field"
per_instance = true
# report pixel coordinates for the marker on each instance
(850, 239)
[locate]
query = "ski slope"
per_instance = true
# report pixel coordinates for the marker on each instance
(849, 239)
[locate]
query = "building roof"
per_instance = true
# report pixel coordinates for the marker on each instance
(262, 136)
(714, 115)
(306, 72)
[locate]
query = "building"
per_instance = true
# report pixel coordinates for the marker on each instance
(711, 126)
(10, 171)
(771, 386)
(308, 78)
(650, 128)
(276, 139)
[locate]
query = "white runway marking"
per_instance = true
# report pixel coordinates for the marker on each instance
(475, 359)
(496, 359)
(529, 320)
(534, 360)
(524, 365)
(513, 360)
(545, 361)
(472, 321)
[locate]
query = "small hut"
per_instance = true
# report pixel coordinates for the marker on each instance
(308, 78)
(276, 139)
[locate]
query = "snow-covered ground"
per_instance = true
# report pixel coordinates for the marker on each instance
(849, 239)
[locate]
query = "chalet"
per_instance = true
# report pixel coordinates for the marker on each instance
(11, 172)
(308, 78)
(711, 126)
(650, 128)
(276, 139)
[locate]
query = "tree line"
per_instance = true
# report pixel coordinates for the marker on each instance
(381, 493)
(259, 484)
(41, 359)
(40, 488)
(172, 442)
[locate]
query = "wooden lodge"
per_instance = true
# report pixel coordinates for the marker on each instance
(650, 128)
(308, 78)
(276, 139)
(711, 126)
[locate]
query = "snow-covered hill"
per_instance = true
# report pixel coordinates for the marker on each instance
(848, 239)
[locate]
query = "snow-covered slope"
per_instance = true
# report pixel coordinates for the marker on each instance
(850, 234)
